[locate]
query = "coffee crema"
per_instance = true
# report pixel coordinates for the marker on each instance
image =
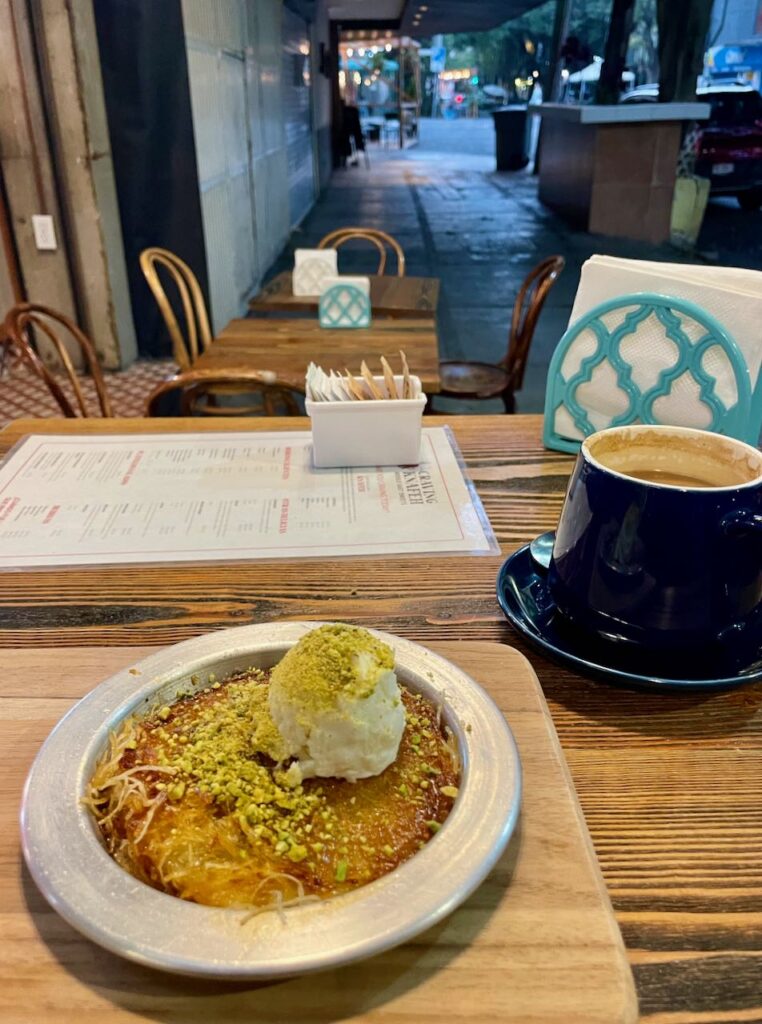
(661, 476)
(676, 457)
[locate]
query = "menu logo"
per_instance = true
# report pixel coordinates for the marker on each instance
(419, 487)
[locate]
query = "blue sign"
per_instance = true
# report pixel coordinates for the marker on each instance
(437, 58)
(736, 59)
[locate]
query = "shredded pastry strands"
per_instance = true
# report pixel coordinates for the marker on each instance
(367, 386)
(278, 904)
(192, 799)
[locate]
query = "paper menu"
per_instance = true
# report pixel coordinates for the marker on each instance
(134, 498)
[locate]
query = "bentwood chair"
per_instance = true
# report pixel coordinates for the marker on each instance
(195, 393)
(187, 344)
(468, 380)
(48, 322)
(380, 239)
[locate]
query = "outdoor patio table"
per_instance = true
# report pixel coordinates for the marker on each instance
(392, 296)
(669, 784)
(288, 346)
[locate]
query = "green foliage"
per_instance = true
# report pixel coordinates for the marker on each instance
(522, 45)
(589, 22)
(643, 56)
(504, 53)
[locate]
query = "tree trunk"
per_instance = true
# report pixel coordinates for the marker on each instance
(615, 57)
(551, 79)
(683, 28)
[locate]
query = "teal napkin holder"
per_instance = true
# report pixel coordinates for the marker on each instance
(640, 346)
(344, 305)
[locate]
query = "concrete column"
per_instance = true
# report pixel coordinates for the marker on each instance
(27, 166)
(70, 69)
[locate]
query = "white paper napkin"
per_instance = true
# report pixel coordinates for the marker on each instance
(361, 283)
(731, 295)
(311, 268)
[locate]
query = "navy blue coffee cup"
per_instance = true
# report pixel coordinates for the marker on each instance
(659, 545)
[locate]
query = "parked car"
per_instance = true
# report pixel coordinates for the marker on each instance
(730, 142)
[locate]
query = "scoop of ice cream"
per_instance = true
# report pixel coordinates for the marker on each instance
(335, 701)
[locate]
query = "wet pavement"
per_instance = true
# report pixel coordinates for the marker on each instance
(480, 232)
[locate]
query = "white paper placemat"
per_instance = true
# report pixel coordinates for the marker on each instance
(131, 498)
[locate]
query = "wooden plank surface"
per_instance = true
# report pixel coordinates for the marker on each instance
(408, 297)
(536, 942)
(287, 346)
(669, 783)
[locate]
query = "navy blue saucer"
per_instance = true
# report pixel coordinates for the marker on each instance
(523, 595)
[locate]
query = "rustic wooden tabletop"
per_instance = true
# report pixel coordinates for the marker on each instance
(669, 784)
(392, 296)
(287, 346)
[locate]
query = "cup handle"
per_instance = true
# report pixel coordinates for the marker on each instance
(743, 522)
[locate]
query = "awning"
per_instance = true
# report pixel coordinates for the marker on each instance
(427, 17)
(424, 17)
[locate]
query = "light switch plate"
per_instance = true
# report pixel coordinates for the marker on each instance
(44, 232)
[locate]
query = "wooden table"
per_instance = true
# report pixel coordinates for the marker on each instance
(671, 785)
(406, 297)
(288, 346)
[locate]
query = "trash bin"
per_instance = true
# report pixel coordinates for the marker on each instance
(511, 138)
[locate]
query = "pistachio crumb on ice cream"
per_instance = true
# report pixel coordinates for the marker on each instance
(334, 699)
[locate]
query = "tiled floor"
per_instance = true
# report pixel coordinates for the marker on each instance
(23, 394)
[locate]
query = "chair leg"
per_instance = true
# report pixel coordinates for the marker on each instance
(509, 401)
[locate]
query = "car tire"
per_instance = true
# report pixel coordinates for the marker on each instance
(751, 200)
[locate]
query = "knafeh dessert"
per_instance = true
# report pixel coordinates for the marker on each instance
(273, 786)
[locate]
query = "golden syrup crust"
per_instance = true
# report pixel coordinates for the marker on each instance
(224, 820)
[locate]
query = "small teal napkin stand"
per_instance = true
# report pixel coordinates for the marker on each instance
(633, 350)
(344, 305)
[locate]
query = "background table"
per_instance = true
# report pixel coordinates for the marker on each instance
(407, 297)
(288, 346)
(670, 784)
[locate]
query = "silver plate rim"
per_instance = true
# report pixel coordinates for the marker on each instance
(104, 903)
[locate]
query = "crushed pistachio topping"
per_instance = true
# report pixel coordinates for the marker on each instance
(218, 755)
(332, 661)
(221, 745)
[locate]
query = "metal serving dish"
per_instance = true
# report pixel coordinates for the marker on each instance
(77, 876)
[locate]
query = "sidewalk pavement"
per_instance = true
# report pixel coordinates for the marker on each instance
(477, 230)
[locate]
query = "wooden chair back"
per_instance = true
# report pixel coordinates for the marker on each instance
(187, 345)
(526, 311)
(380, 239)
(49, 322)
(199, 392)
